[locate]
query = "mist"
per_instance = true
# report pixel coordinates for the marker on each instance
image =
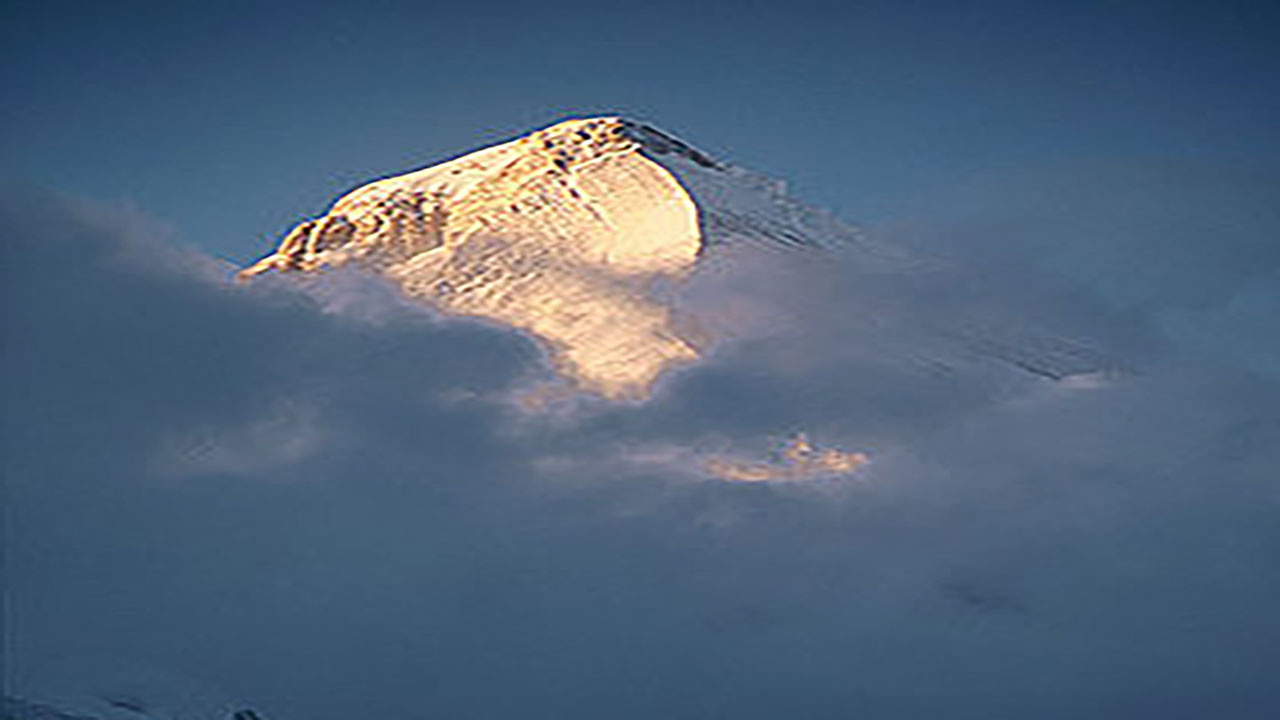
(322, 502)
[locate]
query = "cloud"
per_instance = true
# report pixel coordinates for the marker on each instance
(324, 502)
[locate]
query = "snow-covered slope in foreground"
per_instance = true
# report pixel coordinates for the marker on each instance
(568, 233)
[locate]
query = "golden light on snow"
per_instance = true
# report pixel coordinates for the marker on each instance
(568, 233)
(558, 233)
(800, 459)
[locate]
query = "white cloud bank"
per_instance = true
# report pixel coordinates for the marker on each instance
(339, 514)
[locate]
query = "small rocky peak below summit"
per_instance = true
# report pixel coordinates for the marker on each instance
(572, 141)
(656, 141)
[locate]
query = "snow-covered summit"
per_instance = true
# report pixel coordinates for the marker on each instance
(577, 234)
(561, 233)
(409, 213)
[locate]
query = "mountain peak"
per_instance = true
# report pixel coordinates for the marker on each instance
(613, 133)
(560, 233)
(650, 138)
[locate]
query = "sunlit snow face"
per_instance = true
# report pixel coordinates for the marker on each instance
(619, 249)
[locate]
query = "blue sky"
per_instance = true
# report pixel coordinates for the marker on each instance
(232, 120)
(322, 503)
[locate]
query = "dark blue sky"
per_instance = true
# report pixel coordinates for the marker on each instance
(232, 120)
